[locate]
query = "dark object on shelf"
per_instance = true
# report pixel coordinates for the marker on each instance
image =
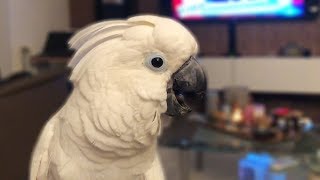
(57, 44)
(107, 9)
(56, 52)
(294, 50)
(263, 135)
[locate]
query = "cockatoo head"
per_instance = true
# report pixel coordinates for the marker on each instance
(148, 56)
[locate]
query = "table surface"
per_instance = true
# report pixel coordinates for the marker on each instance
(199, 136)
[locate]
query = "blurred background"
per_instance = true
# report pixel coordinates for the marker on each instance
(259, 119)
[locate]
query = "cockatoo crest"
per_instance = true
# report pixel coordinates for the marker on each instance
(154, 32)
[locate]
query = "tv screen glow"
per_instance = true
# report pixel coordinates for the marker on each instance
(237, 9)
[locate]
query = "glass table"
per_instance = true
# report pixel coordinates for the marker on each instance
(199, 138)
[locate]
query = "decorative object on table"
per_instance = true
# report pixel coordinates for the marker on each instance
(254, 121)
(263, 166)
(291, 121)
(255, 166)
(126, 73)
(294, 50)
(26, 61)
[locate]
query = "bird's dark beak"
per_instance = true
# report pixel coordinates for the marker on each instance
(190, 78)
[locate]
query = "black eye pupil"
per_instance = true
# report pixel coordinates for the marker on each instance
(157, 62)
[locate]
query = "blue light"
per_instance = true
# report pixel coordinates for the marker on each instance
(257, 166)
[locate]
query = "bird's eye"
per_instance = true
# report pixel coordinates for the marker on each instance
(156, 62)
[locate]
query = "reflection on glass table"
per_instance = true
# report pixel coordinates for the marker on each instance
(200, 137)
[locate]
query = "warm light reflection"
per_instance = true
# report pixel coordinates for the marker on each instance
(237, 115)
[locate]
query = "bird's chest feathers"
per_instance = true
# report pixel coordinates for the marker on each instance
(113, 123)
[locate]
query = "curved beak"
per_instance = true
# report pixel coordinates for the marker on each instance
(190, 78)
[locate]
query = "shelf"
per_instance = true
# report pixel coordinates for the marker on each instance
(264, 74)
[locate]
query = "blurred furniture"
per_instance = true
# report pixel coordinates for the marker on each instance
(264, 74)
(14, 77)
(56, 52)
(42, 63)
(26, 103)
(197, 138)
(273, 81)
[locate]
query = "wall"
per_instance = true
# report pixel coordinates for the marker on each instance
(264, 74)
(81, 13)
(267, 38)
(5, 55)
(29, 22)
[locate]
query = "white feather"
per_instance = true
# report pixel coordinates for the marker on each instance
(82, 36)
(109, 125)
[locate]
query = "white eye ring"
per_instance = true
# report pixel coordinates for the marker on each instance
(156, 62)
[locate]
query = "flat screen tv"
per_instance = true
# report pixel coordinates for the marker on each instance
(224, 10)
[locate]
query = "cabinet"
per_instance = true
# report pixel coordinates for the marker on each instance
(264, 74)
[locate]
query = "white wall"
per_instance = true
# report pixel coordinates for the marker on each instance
(28, 22)
(5, 55)
(265, 74)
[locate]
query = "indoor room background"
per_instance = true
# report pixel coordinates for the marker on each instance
(34, 79)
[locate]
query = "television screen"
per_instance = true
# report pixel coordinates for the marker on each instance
(238, 9)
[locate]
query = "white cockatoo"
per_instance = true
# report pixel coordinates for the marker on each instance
(125, 75)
